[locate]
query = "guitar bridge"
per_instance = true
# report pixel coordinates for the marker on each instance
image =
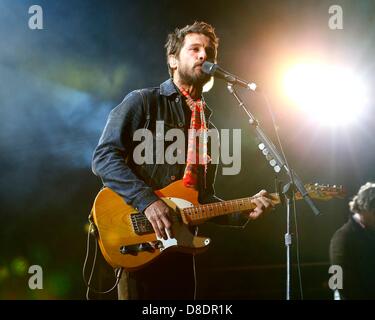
(140, 224)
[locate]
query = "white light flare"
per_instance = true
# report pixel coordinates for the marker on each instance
(333, 95)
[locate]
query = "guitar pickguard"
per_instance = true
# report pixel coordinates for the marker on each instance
(182, 237)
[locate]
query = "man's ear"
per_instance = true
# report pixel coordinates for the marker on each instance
(172, 61)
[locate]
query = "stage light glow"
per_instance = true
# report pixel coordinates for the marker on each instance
(333, 95)
(19, 266)
(4, 273)
(58, 284)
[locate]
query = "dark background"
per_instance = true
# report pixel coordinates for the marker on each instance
(58, 85)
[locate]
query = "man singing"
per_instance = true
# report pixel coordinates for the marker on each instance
(178, 102)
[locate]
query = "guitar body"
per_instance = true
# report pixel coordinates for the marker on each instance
(127, 239)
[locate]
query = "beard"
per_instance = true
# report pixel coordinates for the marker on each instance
(192, 76)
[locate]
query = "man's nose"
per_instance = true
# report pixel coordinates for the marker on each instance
(202, 55)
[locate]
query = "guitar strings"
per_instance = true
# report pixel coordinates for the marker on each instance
(202, 211)
(209, 206)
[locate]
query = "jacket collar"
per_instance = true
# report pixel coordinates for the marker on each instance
(168, 88)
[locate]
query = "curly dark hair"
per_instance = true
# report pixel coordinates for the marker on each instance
(364, 200)
(175, 40)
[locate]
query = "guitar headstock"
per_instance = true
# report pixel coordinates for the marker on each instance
(325, 191)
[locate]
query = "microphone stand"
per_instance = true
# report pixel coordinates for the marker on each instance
(276, 161)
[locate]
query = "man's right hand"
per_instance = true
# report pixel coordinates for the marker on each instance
(159, 215)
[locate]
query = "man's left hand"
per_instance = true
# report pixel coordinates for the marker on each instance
(263, 204)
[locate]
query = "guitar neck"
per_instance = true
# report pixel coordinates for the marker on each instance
(203, 212)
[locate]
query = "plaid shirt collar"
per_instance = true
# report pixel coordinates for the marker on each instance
(168, 88)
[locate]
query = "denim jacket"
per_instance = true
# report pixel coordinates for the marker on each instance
(113, 157)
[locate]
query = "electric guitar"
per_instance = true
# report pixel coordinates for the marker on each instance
(127, 239)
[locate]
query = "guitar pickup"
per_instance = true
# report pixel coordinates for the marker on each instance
(129, 250)
(146, 247)
(135, 248)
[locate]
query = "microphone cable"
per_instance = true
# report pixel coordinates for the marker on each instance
(290, 173)
(118, 271)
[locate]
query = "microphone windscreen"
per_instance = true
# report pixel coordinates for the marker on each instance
(209, 68)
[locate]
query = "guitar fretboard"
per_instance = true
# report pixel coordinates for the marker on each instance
(207, 211)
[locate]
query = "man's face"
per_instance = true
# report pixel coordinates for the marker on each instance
(196, 49)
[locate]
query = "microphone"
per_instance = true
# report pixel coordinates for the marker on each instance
(214, 70)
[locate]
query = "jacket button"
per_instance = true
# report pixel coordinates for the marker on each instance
(173, 178)
(177, 99)
(180, 124)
